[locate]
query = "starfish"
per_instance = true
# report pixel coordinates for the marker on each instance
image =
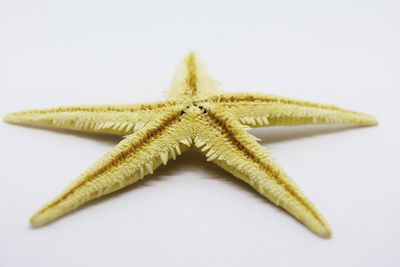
(196, 114)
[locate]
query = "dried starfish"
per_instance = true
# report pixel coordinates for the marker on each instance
(196, 112)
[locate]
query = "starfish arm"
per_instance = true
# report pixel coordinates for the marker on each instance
(192, 80)
(225, 142)
(134, 157)
(114, 119)
(258, 110)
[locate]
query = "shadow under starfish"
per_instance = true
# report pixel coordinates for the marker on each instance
(196, 114)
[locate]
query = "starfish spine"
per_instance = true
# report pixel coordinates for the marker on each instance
(259, 110)
(117, 169)
(117, 119)
(236, 151)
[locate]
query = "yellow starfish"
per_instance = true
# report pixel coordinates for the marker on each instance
(196, 114)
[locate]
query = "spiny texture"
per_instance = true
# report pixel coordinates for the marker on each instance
(196, 114)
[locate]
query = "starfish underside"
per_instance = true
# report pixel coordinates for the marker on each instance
(196, 114)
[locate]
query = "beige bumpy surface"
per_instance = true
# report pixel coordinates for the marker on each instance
(199, 115)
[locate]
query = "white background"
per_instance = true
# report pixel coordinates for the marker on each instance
(190, 213)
